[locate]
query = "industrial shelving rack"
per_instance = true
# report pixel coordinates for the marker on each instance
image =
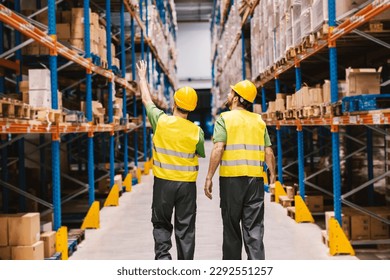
(376, 121)
(15, 130)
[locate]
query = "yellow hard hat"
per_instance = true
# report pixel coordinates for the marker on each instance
(186, 98)
(246, 89)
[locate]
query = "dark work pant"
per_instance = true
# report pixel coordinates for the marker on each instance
(168, 195)
(242, 200)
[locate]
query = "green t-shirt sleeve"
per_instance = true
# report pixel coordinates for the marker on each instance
(220, 134)
(200, 146)
(267, 140)
(153, 114)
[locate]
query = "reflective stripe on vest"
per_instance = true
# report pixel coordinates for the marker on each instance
(244, 147)
(242, 162)
(174, 153)
(244, 151)
(175, 167)
(174, 143)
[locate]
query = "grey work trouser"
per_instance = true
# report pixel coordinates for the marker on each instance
(181, 196)
(242, 200)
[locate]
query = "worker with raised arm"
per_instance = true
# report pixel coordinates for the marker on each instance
(177, 144)
(241, 146)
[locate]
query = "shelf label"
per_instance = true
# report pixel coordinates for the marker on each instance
(336, 120)
(376, 118)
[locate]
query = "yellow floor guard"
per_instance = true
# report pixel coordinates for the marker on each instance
(92, 220)
(146, 167)
(62, 242)
(128, 183)
(113, 197)
(279, 191)
(138, 172)
(265, 177)
(302, 213)
(338, 242)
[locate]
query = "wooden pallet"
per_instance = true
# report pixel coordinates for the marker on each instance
(78, 234)
(12, 108)
(285, 201)
(291, 212)
(46, 115)
(325, 238)
(72, 246)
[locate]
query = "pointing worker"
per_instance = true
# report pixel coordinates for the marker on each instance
(177, 143)
(241, 146)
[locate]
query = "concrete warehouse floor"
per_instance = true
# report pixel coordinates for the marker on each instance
(126, 230)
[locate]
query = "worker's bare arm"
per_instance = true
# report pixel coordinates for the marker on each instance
(215, 159)
(270, 161)
(143, 84)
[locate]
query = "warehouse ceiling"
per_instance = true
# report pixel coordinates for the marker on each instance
(193, 10)
(187, 10)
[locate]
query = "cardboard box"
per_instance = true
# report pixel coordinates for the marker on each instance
(5, 252)
(32, 252)
(49, 243)
(378, 229)
(360, 227)
(39, 79)
(363, 81)
(40, 98)
(66, 16)
(63, 31)
(23, 229)
(24, 86)
(3, 230)
(315, 203)
(79, 13)
(94, 19)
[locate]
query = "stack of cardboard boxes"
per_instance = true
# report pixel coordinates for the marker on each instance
(21, 238)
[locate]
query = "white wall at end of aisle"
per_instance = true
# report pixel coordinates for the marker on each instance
(193, 45)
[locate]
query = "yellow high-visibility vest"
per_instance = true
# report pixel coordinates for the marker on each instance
(244, 152)
(174, 149)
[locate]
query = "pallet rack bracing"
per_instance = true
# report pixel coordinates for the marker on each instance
(60, 130)
(312, 49)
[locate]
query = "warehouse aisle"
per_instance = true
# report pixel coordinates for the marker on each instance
(126, 230)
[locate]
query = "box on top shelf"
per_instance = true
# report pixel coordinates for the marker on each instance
(306, 19)
(362, 81)
(343, 9)
(306, 4)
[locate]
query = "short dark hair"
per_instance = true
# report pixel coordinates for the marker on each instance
(244, 103)
(181, 110)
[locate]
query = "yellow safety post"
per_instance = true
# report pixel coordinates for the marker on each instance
(92, 220)
(138, 173)
(279, 191)
(128, 183)
(146, 167)
(302, 213)
(62, 242)
(113, 197)
(265, 177)
(338, 241)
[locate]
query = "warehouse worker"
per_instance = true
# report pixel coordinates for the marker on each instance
(177, 143)
(241, 145)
